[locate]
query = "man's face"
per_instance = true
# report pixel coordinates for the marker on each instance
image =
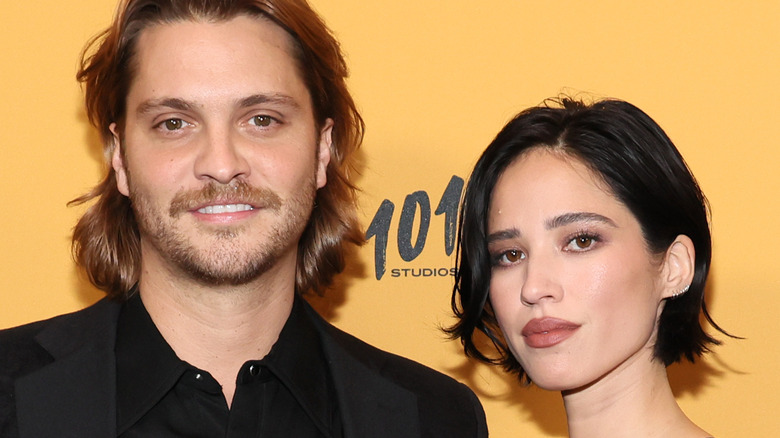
(220, 153)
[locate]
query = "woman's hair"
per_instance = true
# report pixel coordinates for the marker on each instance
(106, 241)
(644, 171)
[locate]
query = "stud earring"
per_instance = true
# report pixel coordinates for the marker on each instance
(681, 291)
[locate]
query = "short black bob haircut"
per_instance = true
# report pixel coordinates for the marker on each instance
(644, 171)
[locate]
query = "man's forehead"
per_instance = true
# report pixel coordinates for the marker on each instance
(201, 56)
(168, 37)
(260, 26)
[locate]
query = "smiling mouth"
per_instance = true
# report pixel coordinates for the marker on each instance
(215, 199)
(226, 208)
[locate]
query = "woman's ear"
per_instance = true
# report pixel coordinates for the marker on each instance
(679, 267)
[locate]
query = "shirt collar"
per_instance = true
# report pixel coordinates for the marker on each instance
(298, 360)
(147, 367)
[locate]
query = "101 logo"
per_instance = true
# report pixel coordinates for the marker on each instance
(414, 204)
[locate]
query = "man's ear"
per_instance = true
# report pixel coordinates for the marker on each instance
(323, 155)
(679, 266)
(118, 162)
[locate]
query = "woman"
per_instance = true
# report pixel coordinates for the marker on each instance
(584, 251)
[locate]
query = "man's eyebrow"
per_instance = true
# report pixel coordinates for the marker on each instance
(570, 218)
(167, 102)
(184, 105)
(275, 98)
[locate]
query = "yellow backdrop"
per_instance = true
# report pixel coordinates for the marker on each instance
(435, 81)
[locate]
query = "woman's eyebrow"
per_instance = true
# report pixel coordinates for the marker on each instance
(511, 233)
(556, 222)
(570, 218)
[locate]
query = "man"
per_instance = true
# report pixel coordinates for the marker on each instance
(230, 135)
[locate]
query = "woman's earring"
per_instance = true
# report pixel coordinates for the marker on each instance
(681, 291)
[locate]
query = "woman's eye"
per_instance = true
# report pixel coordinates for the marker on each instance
(582, 242)
(510, 257)
(173, 124)
(261, 121)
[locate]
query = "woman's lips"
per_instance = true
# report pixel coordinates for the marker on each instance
(546, 332)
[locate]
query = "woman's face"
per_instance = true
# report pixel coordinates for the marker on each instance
(575, 290)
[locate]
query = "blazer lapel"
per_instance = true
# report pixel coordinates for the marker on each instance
(75, 395)
(370, 404)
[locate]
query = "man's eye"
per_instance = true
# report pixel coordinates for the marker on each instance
(173, 124)
(261, 121)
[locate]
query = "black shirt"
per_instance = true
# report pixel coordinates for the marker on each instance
(288, 393)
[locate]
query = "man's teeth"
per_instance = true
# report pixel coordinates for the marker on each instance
(229, 208)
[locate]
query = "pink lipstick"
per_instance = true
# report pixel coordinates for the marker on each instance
(547, 332)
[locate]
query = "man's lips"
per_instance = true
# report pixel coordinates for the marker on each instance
(224, 208)
(213, 199)
(225, 212)
(546, 332)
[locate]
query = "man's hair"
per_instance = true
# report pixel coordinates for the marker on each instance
(106, 240)
(643, 170)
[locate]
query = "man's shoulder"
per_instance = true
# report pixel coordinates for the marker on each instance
(385, 363)
(404, 371)
(443, 402)
(19, 350)
(24, 346)
(30, 348)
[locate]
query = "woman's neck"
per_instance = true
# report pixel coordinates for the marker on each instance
(634, 400)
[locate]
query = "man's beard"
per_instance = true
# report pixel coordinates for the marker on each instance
(234, 255)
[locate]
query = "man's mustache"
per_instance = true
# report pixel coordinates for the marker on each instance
(237, 192)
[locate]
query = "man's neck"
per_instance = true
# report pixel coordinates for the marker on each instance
(217, 329)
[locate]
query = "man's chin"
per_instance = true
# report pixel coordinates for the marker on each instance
(225, 269)
(225, 278)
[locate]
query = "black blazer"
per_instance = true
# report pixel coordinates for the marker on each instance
(57, 379)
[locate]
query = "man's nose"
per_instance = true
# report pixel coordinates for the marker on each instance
(221, 158)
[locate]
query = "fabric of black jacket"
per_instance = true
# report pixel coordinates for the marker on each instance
(57, 379)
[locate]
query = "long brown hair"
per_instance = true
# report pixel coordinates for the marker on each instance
(106, 241)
